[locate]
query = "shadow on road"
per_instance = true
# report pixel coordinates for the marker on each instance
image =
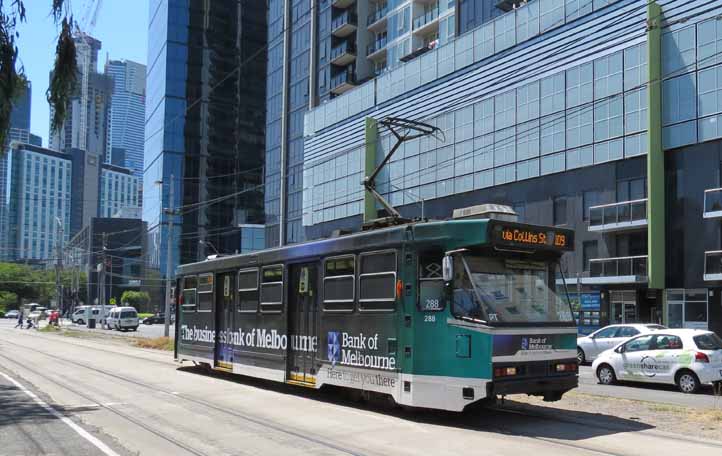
(511, 418)
(17, 408)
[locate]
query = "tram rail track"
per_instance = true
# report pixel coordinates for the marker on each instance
(319, 441)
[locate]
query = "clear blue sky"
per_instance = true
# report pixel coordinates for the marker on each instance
(122, 27)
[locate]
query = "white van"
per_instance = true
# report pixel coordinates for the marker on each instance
(83, 313)
(122, 318)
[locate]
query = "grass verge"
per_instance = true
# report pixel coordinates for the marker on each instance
(49, 329)
(157, 343)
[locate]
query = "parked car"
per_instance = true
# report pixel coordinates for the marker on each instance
(589, 347)
(158, 318)
(12, 314)
(122, 318)
(687, 358)
(81, 314)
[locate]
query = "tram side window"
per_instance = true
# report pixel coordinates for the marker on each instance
(432, 296)
(248, 290)
(189, 294)
(205, 293)
(272, 289)
(339, 284)
(377, 281)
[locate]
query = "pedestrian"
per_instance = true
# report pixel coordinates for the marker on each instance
(30, 323)
(20, 321)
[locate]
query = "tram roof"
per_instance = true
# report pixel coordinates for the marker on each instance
(452, 233)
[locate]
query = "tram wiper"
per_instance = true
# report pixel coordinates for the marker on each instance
(473, 320)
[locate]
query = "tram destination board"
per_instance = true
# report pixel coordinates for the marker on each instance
(530, 236)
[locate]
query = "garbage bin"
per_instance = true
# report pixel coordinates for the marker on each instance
(91, 323)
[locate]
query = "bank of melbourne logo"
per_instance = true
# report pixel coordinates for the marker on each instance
(334, 347)
(525, 343)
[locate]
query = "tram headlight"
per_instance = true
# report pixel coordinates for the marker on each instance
(504, 371)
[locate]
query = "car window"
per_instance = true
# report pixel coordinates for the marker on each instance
(666, 342)
(627, 331)
(605, 333)
(128, 314)
(639, 344)
(655, 327)
(709, 341)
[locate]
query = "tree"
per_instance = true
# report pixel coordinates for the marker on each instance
(137, 299)
(22, 281)
(12, 78)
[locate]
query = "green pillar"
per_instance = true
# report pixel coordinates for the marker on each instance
(655, 153)
(372, 134)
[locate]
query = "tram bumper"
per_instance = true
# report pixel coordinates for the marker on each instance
(533, 378)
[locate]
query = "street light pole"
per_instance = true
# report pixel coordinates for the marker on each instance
(59, 267)
(170, 212)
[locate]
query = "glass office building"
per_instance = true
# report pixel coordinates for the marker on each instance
(204, 125)
(543, 106)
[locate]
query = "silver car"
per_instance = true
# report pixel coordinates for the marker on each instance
(589, 347)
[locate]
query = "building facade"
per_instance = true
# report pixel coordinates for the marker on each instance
(127, 115)
(204, 125)
(88, 116)
(543, 106)
(37, 201)
(119, 190)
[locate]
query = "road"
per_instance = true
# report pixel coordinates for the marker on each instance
(139, 402)
(150, 331)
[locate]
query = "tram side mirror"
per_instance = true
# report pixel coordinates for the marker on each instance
(447, 269)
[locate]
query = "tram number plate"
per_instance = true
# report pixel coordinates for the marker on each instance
(430, 318)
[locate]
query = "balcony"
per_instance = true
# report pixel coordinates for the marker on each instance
(617, 270)
(376, 49)
(343, 82)
(343, 54)
(342, 3)
(427, 21)
(377, 19)
(624, 216)
(507, 5)
(713, 203)
(344, 25)
(713, 265)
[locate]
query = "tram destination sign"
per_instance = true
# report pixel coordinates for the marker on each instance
(530, 236)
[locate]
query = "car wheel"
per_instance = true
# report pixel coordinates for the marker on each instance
(605, 375)
(80, 322)
(687, 382)
(581, 359)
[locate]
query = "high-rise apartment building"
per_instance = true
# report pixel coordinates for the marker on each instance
(543, 106)
(87, 119)
(204, 125)
(127, 115)
(119, 190)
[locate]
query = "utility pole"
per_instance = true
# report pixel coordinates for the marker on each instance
(59, 267)
(170, 213)
(105, 248)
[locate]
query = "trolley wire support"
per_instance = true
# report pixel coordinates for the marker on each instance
(403, 130)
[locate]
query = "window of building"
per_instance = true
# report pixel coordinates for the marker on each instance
(709, 42)
(709, 88)
(377, 281)
(527, 21)
(551, 13)
(608, 119)
(339, 283)
(527, 140)
(552, 94)
(527, 102)
(608, 150)
(464, 121)
(484, 117)
(560, 210)
(589, 199)
(635, 66)
(527, 169)
(577, 8)
(678, 51)
(272, 289)
(504, 32)
(483, 152)
(580, 126)
(505, 110)
(631, 189)
(552, 163)
(248, 290)
(687, 308)
(552, 133)
(589, 252)
(205, 292)
(635, 111)
(608, 75)
(504, 147)
(484, 41)
(679, 99)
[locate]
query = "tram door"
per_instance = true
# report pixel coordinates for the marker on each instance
(225, 311)
(302, 323)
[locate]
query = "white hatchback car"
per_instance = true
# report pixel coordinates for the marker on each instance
(589, 347)
(687, 358)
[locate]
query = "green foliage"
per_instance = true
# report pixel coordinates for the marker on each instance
(137, 299)
(19, 281)
(12, 78)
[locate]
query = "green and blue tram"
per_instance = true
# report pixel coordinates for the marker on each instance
(437, 314)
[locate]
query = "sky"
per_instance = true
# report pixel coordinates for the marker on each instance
(122, 27)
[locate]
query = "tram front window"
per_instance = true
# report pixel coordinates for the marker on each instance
(505, 291)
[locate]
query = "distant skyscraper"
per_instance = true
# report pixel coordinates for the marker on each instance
(119, 189)
(127, 115)
(20, 117)
(88, 116)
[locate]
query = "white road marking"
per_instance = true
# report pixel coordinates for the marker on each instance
(81, 432)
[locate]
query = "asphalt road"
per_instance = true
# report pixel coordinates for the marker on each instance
(140, 402)
(150, 331)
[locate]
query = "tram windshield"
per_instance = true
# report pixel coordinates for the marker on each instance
(505, 291)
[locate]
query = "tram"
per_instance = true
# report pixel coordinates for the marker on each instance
(435, 314)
